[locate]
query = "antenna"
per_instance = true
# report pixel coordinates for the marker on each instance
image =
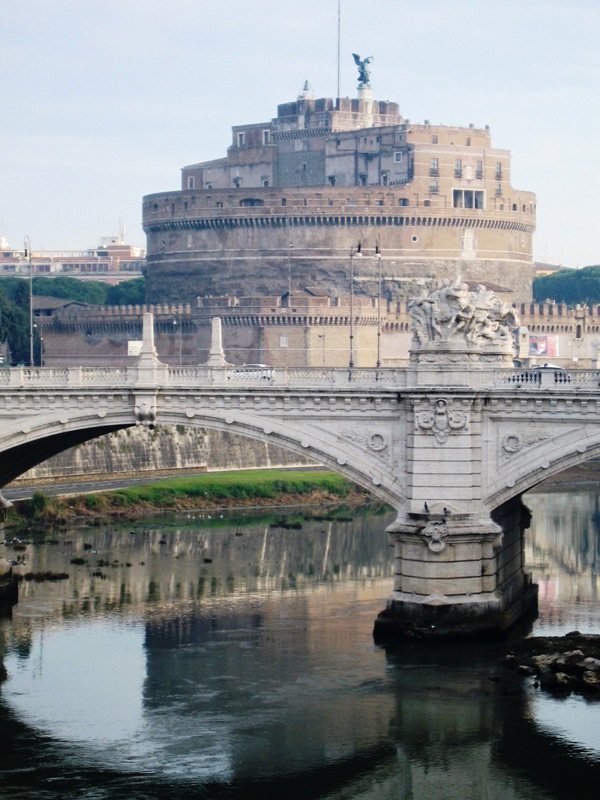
(338, 53)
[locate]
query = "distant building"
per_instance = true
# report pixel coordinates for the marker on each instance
(112, 260)
(296, 195)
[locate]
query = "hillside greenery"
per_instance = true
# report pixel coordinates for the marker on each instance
(570, 286)
(97, 293)
(14, 306)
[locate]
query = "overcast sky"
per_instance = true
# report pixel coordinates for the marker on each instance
(105, 100)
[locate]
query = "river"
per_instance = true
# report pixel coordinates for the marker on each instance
(230, 656)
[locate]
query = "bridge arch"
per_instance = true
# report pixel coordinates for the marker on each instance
(545, 460)
(306, 441)
(47, 435)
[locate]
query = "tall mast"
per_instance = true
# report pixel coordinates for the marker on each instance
(338, 53)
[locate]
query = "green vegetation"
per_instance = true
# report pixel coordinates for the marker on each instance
(242, 485)
(210, 490)
(132, 292)
(14, 306)
(570, 286)
(37, 506)
(14, 326)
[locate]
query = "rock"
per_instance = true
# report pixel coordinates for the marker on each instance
(555, 681)
(525, 669)
(562, 680)
(591, 680)
(590, 664)
(546, 662)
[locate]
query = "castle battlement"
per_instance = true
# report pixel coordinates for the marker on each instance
(326, 176)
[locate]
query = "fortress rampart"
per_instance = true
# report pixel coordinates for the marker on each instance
(296, 195)
(297, 331)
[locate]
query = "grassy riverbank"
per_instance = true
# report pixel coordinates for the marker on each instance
(209, 490)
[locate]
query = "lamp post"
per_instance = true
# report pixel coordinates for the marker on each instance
(351, 361)
(378, 254)
(322, 338)
(177, 330)
(27, 244)
(358, 253)
(290, 245)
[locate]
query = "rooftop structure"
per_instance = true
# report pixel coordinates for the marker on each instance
(326, 177)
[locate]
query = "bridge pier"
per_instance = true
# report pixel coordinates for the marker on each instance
(8, 583)
(458, 563)
(457, 575)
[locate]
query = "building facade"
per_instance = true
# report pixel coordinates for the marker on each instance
(325, 178)
(296, 331)
(112, 259)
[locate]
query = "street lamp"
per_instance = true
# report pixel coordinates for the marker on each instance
(178, 331)
(322, 338)
(378, 254)
(290, 245)
(27, 244)
(351, 361)
(358, 253)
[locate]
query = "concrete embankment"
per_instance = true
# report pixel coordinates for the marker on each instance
(166, 450)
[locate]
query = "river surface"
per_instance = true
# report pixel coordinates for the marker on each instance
(232, 657)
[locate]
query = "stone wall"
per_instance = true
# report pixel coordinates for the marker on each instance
(165, 450)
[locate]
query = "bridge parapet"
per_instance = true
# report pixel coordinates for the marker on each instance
(46, 377)
(282, 377)
(548, 378)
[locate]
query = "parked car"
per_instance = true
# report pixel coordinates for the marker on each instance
(252, 372)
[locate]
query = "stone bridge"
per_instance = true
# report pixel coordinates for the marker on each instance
(451, 443)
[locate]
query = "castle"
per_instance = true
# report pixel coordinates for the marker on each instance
(295, 196)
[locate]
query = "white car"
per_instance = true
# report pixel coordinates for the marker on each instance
(252, 372)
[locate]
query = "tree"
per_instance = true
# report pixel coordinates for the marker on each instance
(14, 330)
(127, 293)
(570, 286)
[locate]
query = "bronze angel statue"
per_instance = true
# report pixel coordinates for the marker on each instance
(363, 69)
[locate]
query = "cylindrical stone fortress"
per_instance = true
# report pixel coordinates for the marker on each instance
(296, 196)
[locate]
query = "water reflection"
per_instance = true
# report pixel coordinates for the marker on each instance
(189, 661)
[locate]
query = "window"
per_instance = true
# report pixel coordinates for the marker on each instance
(435, 186)
(209, 186)
(498, 171)
(434, 139)
(458, 168)
(237, 182)
(384, 178)
(434, 167)
(398, 157)
(479, 169)
(284, 201)
(265, 181)
(468, 142)
(241, 139)
(191, 183)
(331, 180)
(467, 198)
(266, 136)
(498, 189)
